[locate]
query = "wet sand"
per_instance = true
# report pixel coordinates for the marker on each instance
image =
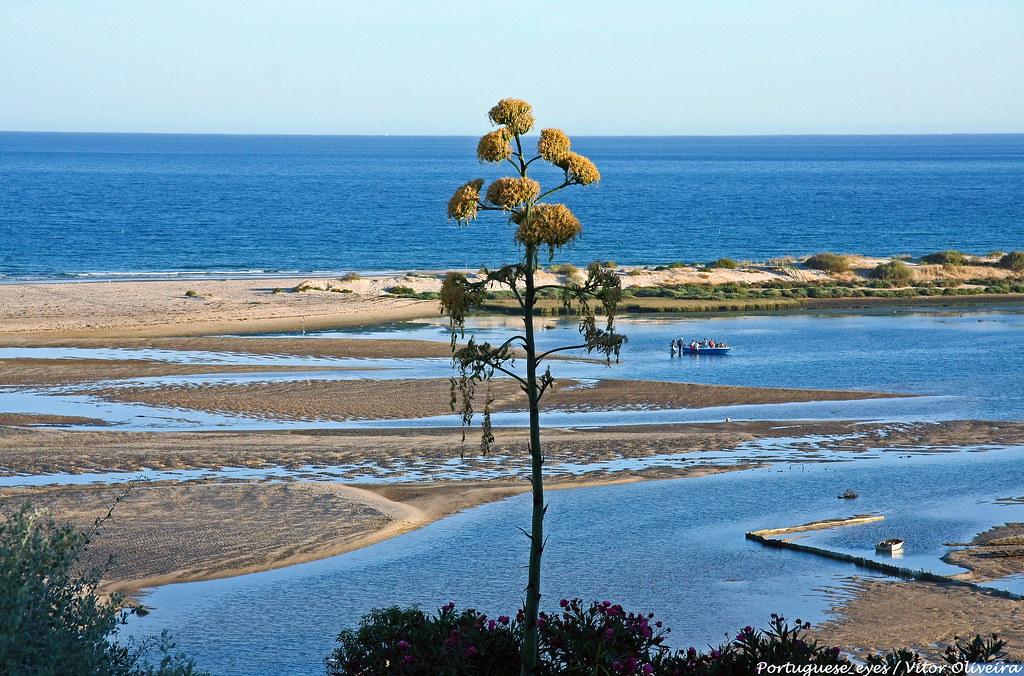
(37, 419)
(996, 553)
(45, 451)
(162, 533)
(923, 615)
(416, 398)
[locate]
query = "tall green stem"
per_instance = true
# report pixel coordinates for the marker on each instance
(530, 638)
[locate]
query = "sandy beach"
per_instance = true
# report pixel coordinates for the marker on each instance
(197, 307)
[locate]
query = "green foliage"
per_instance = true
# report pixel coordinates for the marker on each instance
(948, 257)
(676, 265)
(350, 276)
(636, 272)
(724, 263)
(52, 621)
(1013, 261)
(191, 293)
(828, 262)
(893, 271)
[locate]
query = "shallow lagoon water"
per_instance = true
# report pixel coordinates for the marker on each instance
(967, 364)
(976, 355)
(673, 547)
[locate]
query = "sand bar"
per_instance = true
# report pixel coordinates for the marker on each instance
(415, 398)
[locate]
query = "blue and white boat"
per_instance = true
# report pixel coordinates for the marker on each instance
(705, 350)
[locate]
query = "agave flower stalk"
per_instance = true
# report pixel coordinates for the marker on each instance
(540, 225)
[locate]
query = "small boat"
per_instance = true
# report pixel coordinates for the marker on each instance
(705, 350)
(891, 545)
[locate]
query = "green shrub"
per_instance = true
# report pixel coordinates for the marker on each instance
(828, 262)
(351, 276)
(52, 621)
(893, 271)
(724, 263)
(948, 257)
(567, 269)
(676, 265)
(407, 292)
(1013, 261)
(191, 293)
(611, 265)
(636, 272)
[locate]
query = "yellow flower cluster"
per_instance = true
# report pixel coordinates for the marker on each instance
(464, 204)
(494, 147)
(508, 193)
(553, 145)
(551, 224)
(515, 114)
(580, 169)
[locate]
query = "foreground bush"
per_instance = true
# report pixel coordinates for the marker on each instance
(1013, 261)
(828, 262)
(724, 263)
(601, 639)
(51, 619)
(893, 271)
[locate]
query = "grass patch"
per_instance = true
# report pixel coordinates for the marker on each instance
(724, 263)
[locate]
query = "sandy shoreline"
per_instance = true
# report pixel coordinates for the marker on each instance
(196, 307)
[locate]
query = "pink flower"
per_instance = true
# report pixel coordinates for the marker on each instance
(503, 619)
(408, 659)
(403, 645)
(564, 603)
(471, 651)
(648, 669)
(609, 633)
(491, 624)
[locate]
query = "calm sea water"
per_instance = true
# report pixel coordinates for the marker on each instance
(74, 204)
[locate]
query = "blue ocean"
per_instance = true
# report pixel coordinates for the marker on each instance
(110, 205)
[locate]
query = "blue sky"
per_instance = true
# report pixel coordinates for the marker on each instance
(432, 67)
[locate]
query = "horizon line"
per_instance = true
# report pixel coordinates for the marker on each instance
(414, 135)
